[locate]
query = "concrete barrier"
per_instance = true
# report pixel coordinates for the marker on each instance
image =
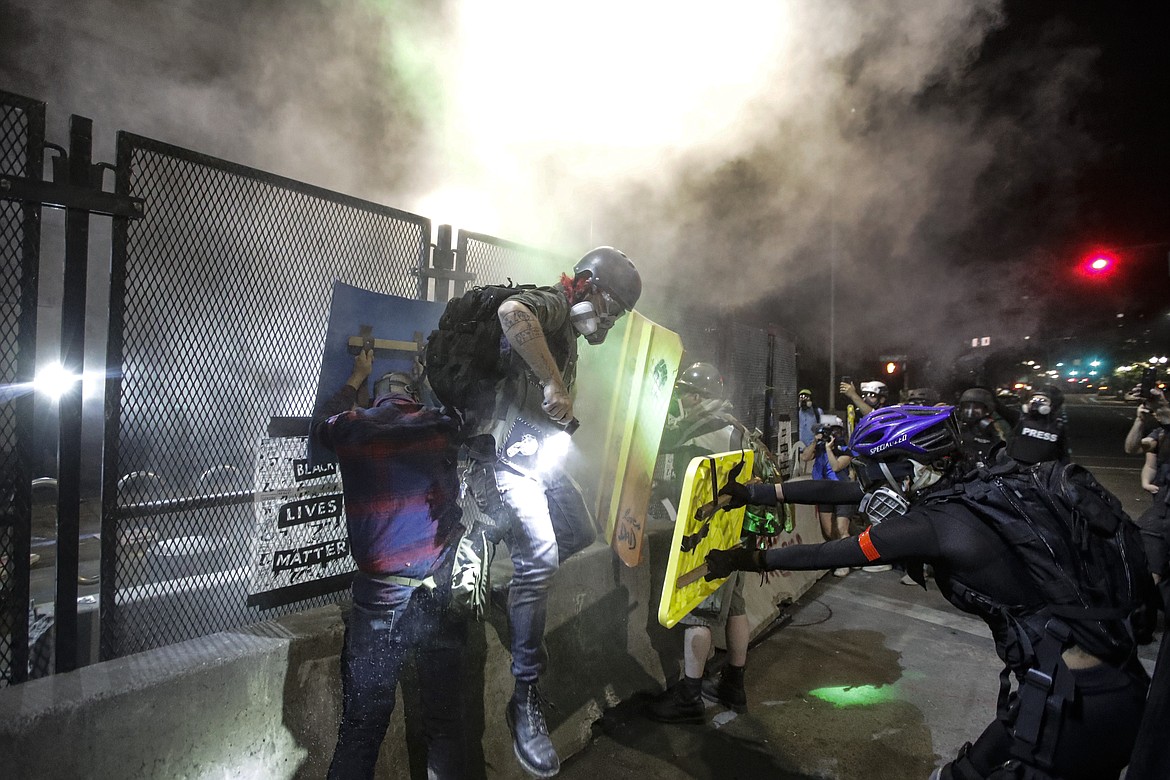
(264, 701)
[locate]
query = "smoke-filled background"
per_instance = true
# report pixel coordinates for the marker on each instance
(920, 161)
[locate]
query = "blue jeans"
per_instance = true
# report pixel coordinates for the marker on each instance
(378, 638)
(549, 522)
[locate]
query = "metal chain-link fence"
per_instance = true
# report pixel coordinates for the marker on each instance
(22, 135)
(496, 261)
(218, 311)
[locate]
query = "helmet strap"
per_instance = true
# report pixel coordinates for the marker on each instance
(894, 483)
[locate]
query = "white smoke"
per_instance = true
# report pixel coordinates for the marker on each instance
(733, 152)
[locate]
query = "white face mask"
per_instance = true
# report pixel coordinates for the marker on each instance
(924, 477)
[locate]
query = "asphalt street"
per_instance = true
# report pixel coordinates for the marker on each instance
(870, 680)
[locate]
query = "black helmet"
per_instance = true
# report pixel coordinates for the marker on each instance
(612, 272)
(702, 378)
(922, 396)
(1054, 393)
(971, 399)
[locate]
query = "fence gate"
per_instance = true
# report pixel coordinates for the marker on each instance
(22, 138)
(219, 289)
(219, 302)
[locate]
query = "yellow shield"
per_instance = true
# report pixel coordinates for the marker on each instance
(699, 530)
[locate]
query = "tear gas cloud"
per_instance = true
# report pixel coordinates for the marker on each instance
(733, 155)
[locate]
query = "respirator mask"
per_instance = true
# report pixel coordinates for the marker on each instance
(584, 318)
(590, 323)
(884, 501)
(1040, 405)
(884, 497)
(972, 413)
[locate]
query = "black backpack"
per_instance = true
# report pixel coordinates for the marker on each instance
(464, 356)
(1080, 548)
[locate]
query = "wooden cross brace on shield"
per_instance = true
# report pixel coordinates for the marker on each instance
(388, 348)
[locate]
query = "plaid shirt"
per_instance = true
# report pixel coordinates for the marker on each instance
(398, 467)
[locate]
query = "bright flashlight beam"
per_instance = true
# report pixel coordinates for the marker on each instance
(554, 450)
(54, 381)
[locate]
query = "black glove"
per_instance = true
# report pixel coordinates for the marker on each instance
(762, 493)
(740, 495)
(721, 563)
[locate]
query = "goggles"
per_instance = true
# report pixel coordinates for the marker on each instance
(610, 307)
(874, 473)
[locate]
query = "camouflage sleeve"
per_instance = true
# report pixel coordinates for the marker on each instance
(548, 304)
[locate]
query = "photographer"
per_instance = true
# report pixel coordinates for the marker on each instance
(829, 456)
(1149, 433)
(1145, 422)
(873, 395)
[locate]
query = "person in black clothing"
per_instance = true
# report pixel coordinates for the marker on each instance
(977, 425)
(1040, 433)
(906, 457)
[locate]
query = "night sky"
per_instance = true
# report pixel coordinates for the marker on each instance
(1117, 197)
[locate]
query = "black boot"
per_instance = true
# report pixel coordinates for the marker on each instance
(680, 703)
(534, 750)
(728, 691)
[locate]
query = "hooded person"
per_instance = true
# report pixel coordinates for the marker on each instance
(1077, 708)
(977, 426)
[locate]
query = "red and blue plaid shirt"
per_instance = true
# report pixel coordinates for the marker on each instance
(398, 468)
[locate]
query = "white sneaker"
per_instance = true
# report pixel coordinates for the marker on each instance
(878, 568)
(842, 572)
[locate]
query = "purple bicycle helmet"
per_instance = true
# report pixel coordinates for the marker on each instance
(924, 433)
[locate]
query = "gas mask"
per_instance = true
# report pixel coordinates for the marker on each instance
(893, 498)
(883, 503)
(591, 324)
(584, 318)
(1040, 405)
(971, 413)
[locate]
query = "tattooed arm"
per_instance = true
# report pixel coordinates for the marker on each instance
(523, 331)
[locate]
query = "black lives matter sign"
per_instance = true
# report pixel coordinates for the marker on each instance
(300, 545)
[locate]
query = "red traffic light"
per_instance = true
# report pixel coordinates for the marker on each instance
(1098, 264)
(891, 368)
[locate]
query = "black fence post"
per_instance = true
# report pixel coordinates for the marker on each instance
(443, 260)
(70, 404)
